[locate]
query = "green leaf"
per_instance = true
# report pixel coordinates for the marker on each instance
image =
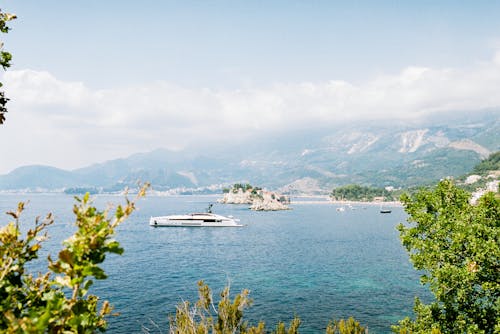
(114, 247)
(95, 271)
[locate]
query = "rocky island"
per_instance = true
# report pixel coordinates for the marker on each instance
(257, 198)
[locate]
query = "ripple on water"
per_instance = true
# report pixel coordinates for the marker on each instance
(311, 261)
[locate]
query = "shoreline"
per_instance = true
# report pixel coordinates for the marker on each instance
(293, 200)
(353, 203)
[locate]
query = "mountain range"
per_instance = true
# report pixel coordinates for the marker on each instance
(385, 153)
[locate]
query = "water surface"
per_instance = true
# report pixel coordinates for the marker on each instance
(311, 261)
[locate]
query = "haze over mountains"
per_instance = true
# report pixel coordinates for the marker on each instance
(308, 161)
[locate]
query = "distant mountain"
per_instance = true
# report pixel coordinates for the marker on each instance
(373, 154)
(42, 177)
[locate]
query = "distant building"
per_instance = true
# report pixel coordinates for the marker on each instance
(472, 179)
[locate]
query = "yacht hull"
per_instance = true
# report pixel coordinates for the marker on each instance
(194, 220)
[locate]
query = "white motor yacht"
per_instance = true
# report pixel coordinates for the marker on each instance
(205, 219)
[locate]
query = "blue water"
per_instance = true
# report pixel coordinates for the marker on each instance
(311, 261)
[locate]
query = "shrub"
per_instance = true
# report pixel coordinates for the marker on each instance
(59, 300)
(457, 247)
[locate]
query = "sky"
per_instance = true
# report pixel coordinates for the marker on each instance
(98, 80)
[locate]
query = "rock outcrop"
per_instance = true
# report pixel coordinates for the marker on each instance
(237, 196)
(259, 200)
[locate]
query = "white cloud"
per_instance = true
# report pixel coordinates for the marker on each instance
(68, 124)
(40, 88)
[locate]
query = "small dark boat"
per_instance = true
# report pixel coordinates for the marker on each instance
(384, 210)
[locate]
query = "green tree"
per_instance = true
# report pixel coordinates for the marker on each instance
(5, 58)
(58, 301)
(457, 247)
(355, 192)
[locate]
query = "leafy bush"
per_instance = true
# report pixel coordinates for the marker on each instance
(457, 246)
(59, 300)
(203, 317)
(349, 326)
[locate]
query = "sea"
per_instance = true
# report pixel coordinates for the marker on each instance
(312, 261)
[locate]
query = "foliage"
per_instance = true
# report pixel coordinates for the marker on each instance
(342, 326)
(457, 246)
(424, 168)
(244, 187)
(354, 192)
(255, 192)
(5, 58)
(203, 317)
(58, 301)
(489, 164)
(200, 318)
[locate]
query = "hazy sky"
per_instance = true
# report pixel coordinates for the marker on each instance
(95, 80)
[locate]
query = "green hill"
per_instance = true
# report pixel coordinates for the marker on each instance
(483, 176)
(492, 163)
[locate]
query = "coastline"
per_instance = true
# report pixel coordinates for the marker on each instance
(298, 200)
(353, 203)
